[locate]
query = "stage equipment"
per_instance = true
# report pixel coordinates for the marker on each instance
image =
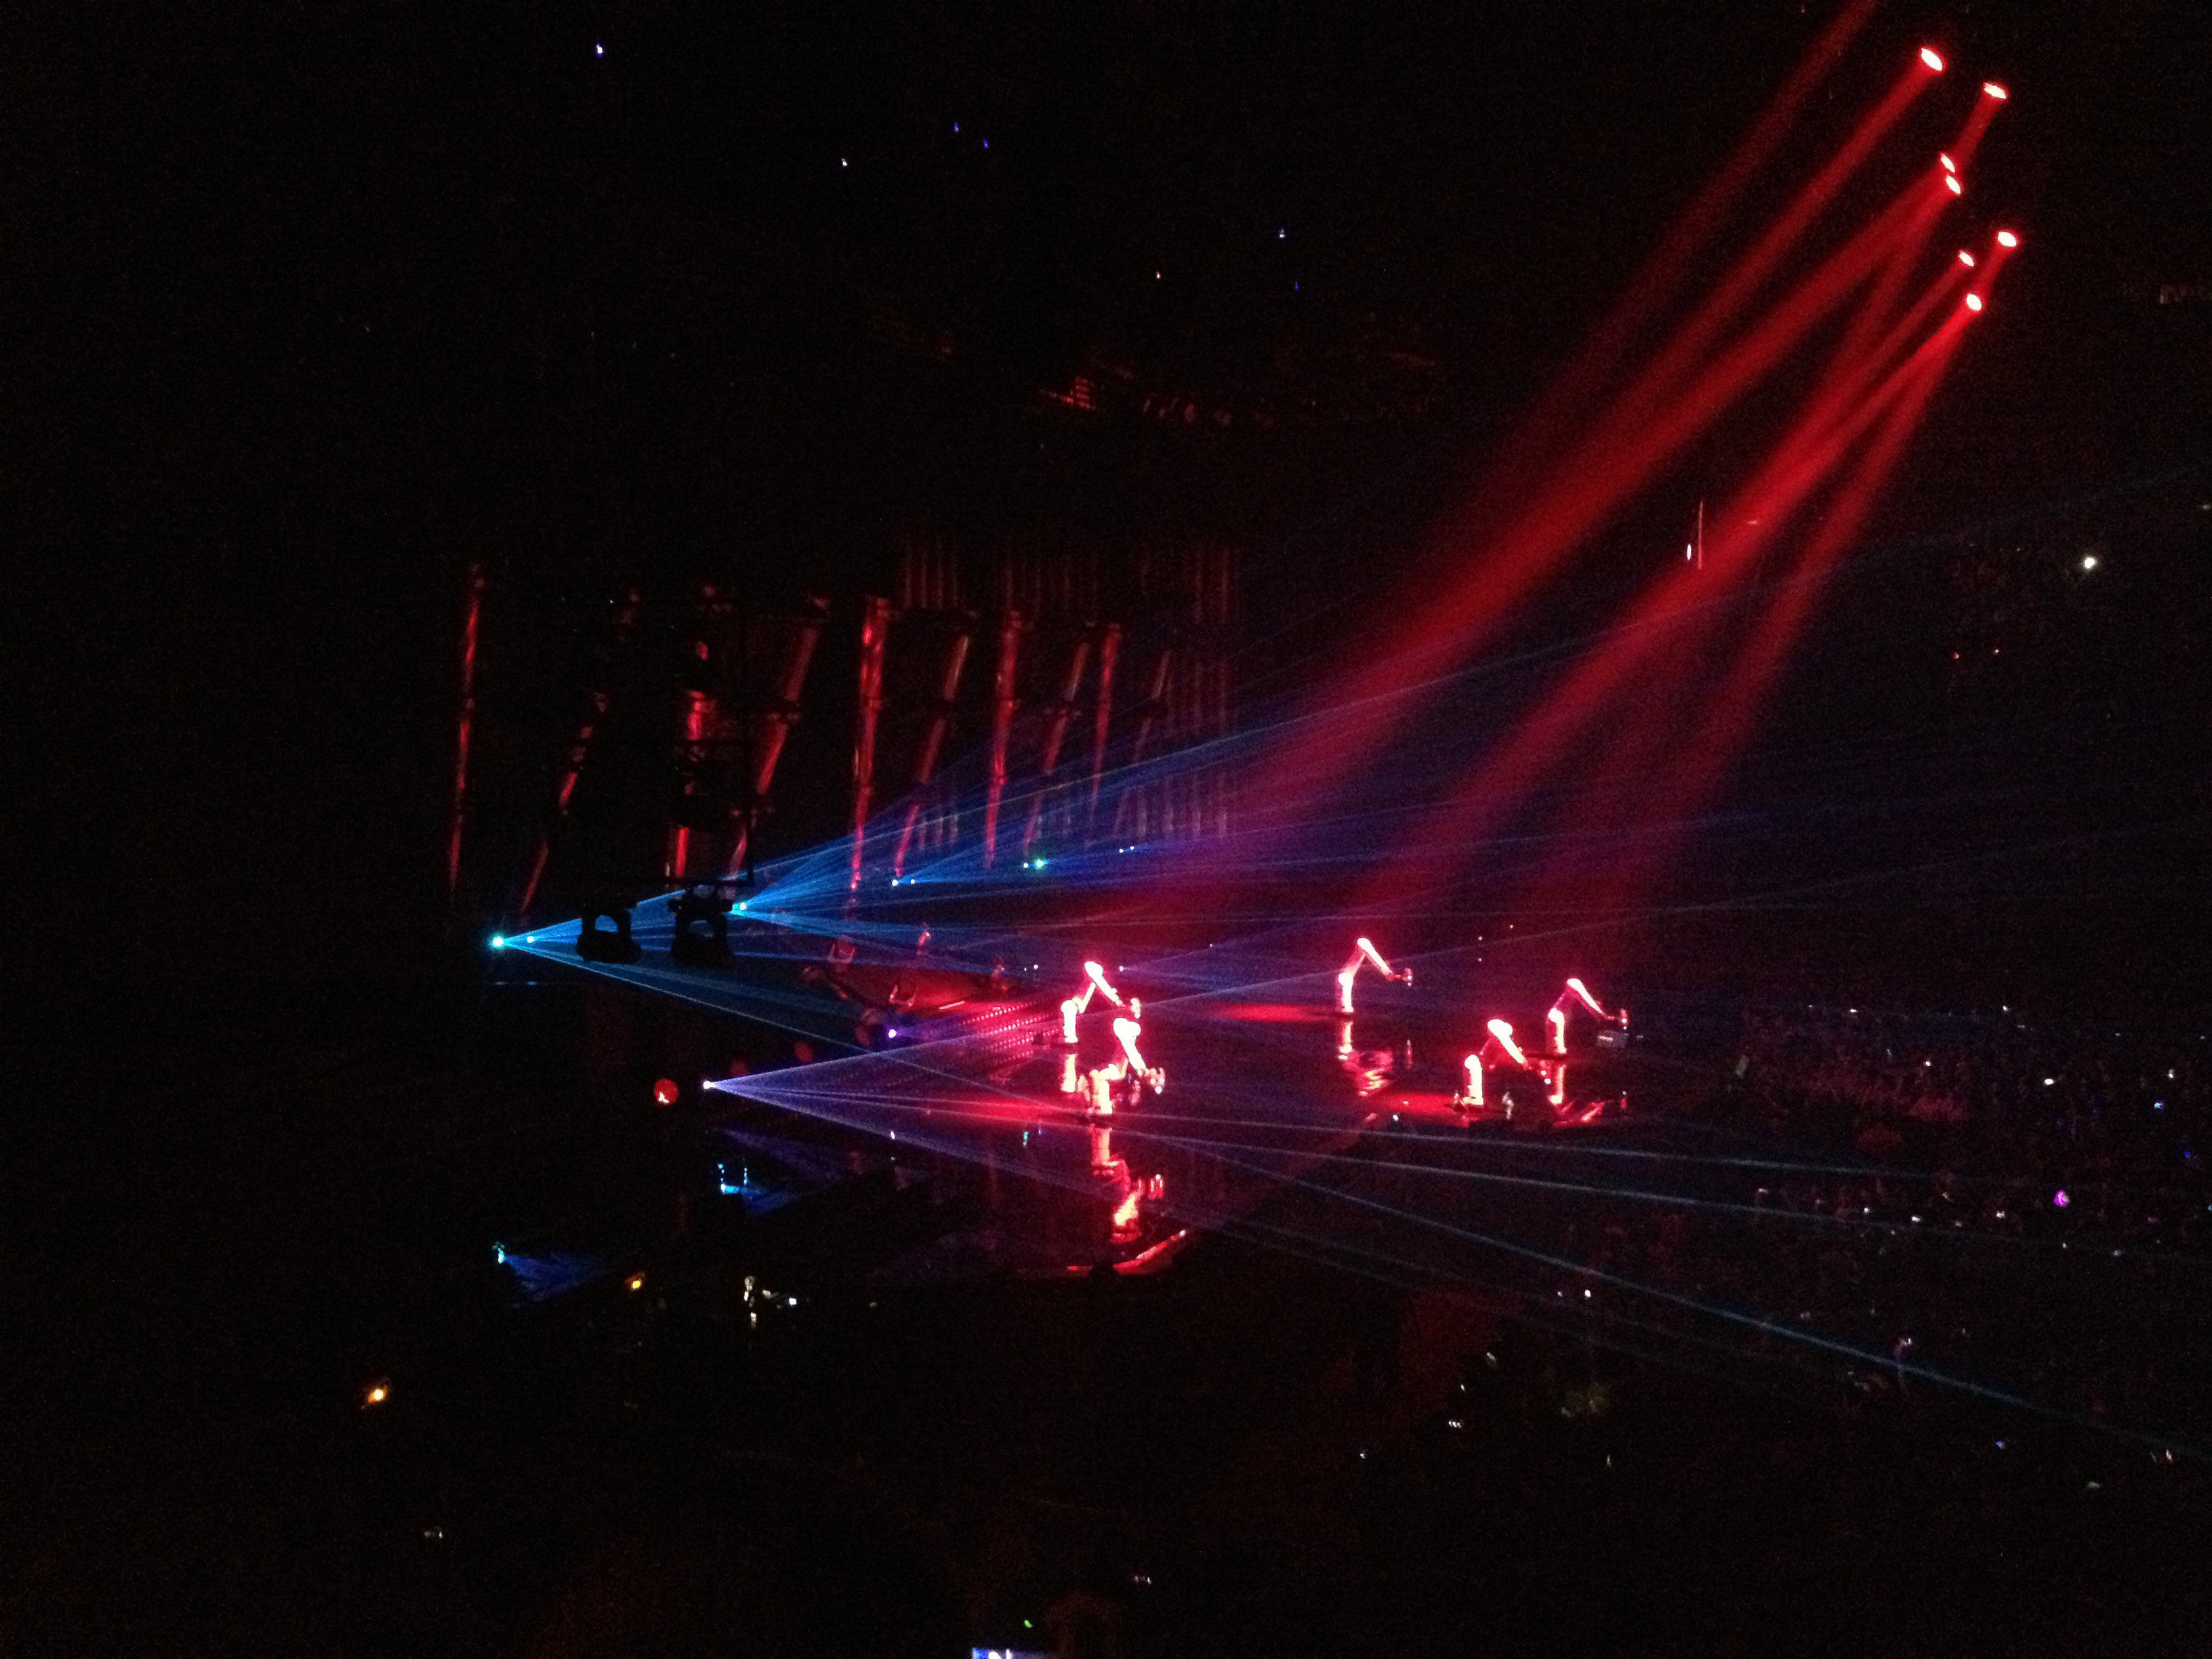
(1094, 982)
(596, 944)
(1498, 1053)
(1364, 950)
(1577, 994)
(701, 915)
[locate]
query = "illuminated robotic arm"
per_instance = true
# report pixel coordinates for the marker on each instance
(1364, 952)
(1153, 1077)
(1094, 982)
(1576, 992)
(1498, 1050)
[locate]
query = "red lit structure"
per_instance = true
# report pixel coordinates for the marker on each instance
(1364, 952)
(1004, 700)
(465, 720)
(875, 635)
(1058, 713)
(1095, 980)
(933, 739)
(1577, 994)
(1499, 1052)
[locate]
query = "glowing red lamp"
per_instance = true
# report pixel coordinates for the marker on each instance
(2006, 238)
(663, 1092)
(1933, 58)
(1966, 259)
(1973, 302)
(1949, 165)
(1991, 89)
(1957, 189)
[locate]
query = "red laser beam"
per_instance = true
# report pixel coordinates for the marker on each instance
(1806, 457)
(1322, 755)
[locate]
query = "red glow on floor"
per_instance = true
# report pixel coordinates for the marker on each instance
(1270, 1013)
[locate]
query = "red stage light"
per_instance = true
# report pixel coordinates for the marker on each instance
(2006, 238)
(1973, 302)
(1966, 259)
(664, 1091)
(1949, 165)
(1991, 89)
(1934, 60)
(1957, 189)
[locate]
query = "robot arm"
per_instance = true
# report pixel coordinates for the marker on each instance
(1094, 982)
(1498, 1050)
(1128, 1030)
(1364, 952)
(1576, 992)
(1500, 1045)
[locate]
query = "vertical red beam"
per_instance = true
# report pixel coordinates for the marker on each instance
(932, 741)
(1003, 704)
(1149, 711)
(691, 740)
(1155, 703)
(875, 631)
(782, 715)
(1109, 647)
(580, 746)
(466, 720)
(1063, 710)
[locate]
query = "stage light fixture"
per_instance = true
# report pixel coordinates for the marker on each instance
(1957, 189)
(1991, 89)
(1973, 302)
(1949, 165)
(1933, 58)
(2006, 238)
(499, 941)
(1966, 259)
(596, 943)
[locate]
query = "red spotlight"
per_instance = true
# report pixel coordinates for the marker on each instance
(1949, 165)
(1973, 302)
(1991, 89)
(1957, 189)
(2006, 238)
(1966, 259)
(1933, 58)
(664, 1092)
